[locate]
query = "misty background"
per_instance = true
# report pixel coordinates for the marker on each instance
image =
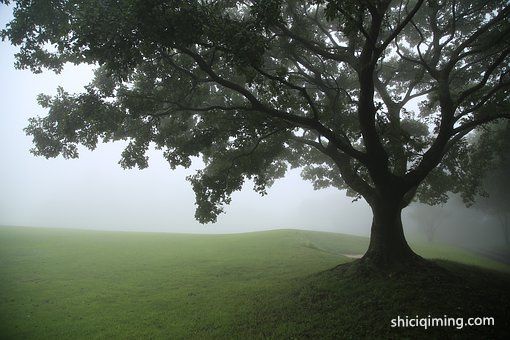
(94, 192)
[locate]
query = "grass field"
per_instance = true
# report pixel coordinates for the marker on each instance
(94, 284)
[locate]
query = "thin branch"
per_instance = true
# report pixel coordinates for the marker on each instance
(484, 100)
(301, 89)
(255, 146)
(453, 26)
(358, 23)
(272, 112)
(433, 72)
(178, 106)
(422, 39)
(481, 30)
(417, 94)
(471, 125)
(200, 109)
(234, 160)
(317, 78)
(485, 78)
(343, 162)
(400, 27)
(315, 48)
(323, 29)
(256, 104)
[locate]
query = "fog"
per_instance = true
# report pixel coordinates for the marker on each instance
(94, 192)
(454, 224)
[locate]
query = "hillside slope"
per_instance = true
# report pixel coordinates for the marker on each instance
(95, 284)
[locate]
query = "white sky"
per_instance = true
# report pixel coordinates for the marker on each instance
(95, 192)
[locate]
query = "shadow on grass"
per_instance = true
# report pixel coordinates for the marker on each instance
(342, 303)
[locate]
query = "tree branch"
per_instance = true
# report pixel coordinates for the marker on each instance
(400, 27)
(180, 107)
(315, 48)
(471, 125)
(343, 162)
(301, 90)
(483, 101)
(455, 56)
(254, 148)
(463, 95)
(259, 106)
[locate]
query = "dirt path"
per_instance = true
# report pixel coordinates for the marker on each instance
(353, 256)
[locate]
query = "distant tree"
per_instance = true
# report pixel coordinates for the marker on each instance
(496, 201)
(257, 86)
(429, 218)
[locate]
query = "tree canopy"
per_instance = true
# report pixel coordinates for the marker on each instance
(378, 97)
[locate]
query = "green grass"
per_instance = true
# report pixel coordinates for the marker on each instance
(93, 284)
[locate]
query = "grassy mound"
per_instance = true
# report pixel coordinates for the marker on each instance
(87, 284)
(342, 304)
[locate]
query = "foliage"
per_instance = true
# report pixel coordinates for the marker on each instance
(254, 87)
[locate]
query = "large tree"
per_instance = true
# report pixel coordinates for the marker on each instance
(374, 96)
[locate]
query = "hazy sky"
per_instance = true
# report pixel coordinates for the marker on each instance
(95, 192)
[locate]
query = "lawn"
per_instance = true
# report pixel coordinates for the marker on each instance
(94, 284)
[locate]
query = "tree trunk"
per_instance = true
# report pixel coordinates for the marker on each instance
(430, 231)
(503, 217)
(388, 247)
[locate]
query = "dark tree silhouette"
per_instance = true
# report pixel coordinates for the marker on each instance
(429, 219)
(496, 201)
(374, 96)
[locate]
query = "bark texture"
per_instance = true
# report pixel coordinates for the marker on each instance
(388, 246)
